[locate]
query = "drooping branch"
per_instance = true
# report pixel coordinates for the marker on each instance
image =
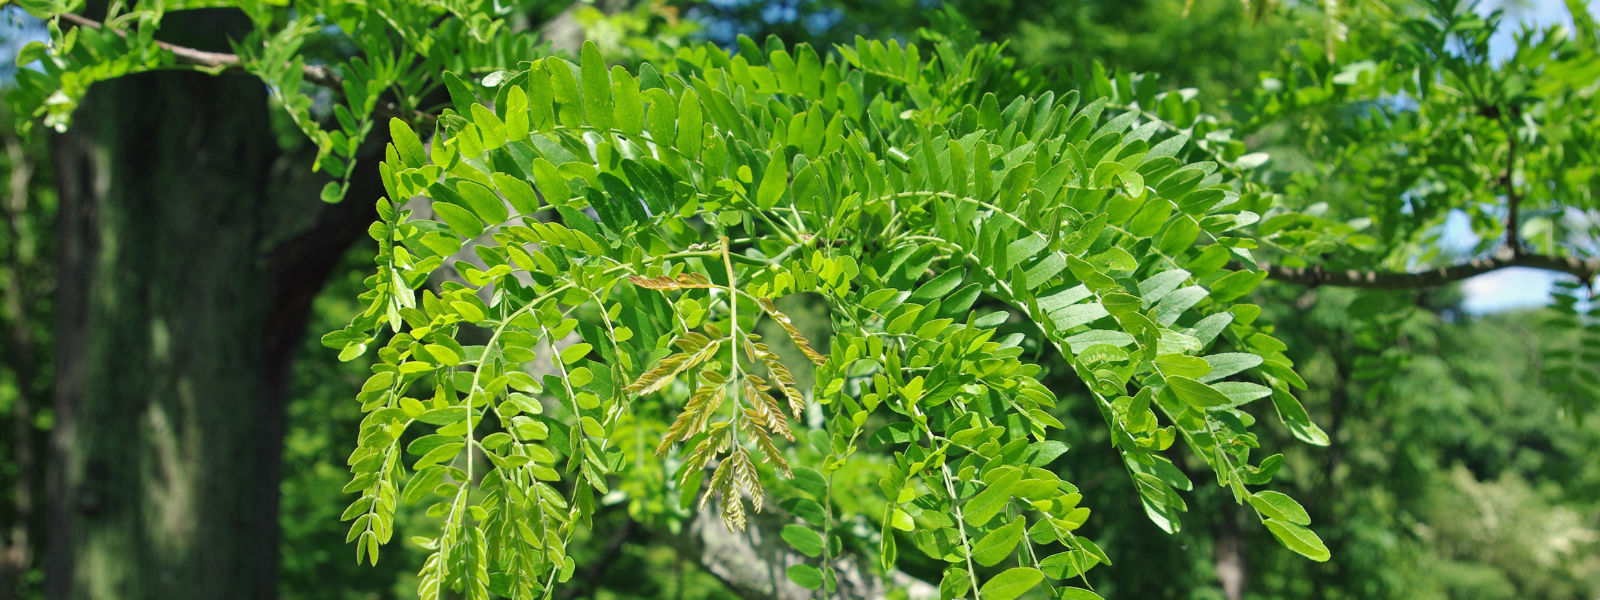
(220, 61)
(1317, 275)
(317, 74)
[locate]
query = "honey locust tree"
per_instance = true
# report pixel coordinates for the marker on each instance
(619, 236)
(719, 185)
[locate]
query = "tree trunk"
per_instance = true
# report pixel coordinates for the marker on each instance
(191, 247)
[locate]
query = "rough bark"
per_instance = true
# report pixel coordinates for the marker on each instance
(190, 249)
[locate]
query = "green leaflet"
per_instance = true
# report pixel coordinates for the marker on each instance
(1236, 284)
(1299, 539)
(1173, 305)
(459, 219)
(1278, 506)
(1240, 393)
(805, 576)
(1197, 394)
(1067, 565)
(517, 119)
(517, 192)
(490, 128)
(484, 204)
(541, 96)
(998, 544)
(629, 104)
(1294, 416)
(597, 104)
(460, 94)
(1183, 366)
(1011, 583)
(1072, 593)
(991, 500)
(955, 584)
(773, 183)
(804, 539)
(407, 142)
(689, 125)
(1229, 363)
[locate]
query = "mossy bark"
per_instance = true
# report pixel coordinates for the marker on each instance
(191, 246)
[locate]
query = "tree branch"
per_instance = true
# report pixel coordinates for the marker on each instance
(753, 562)
(1316, 275)
(317, 74)
(1513, 199)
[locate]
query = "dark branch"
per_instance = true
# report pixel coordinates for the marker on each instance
(1313, 276)
(1513, 199)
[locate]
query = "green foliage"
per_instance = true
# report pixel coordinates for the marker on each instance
(756, 181)
(1460, 419)
(1471, 134)
(388, 57)
(321, 418)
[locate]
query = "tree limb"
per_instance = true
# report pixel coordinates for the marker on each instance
(1316, 275)
(753, 562)
(317, 74)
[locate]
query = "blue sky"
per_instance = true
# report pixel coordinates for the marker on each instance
(1516, 287)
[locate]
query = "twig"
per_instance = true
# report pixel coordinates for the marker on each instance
(317, 74)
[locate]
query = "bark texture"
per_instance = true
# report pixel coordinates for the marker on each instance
(191, 247)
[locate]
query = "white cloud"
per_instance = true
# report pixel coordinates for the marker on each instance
(1507, 289)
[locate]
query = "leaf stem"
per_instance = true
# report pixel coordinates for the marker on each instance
(961, 527)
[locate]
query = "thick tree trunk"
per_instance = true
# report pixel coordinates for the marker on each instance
(190, 250)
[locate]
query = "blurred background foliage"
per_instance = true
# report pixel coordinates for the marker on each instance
(1453, 471)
